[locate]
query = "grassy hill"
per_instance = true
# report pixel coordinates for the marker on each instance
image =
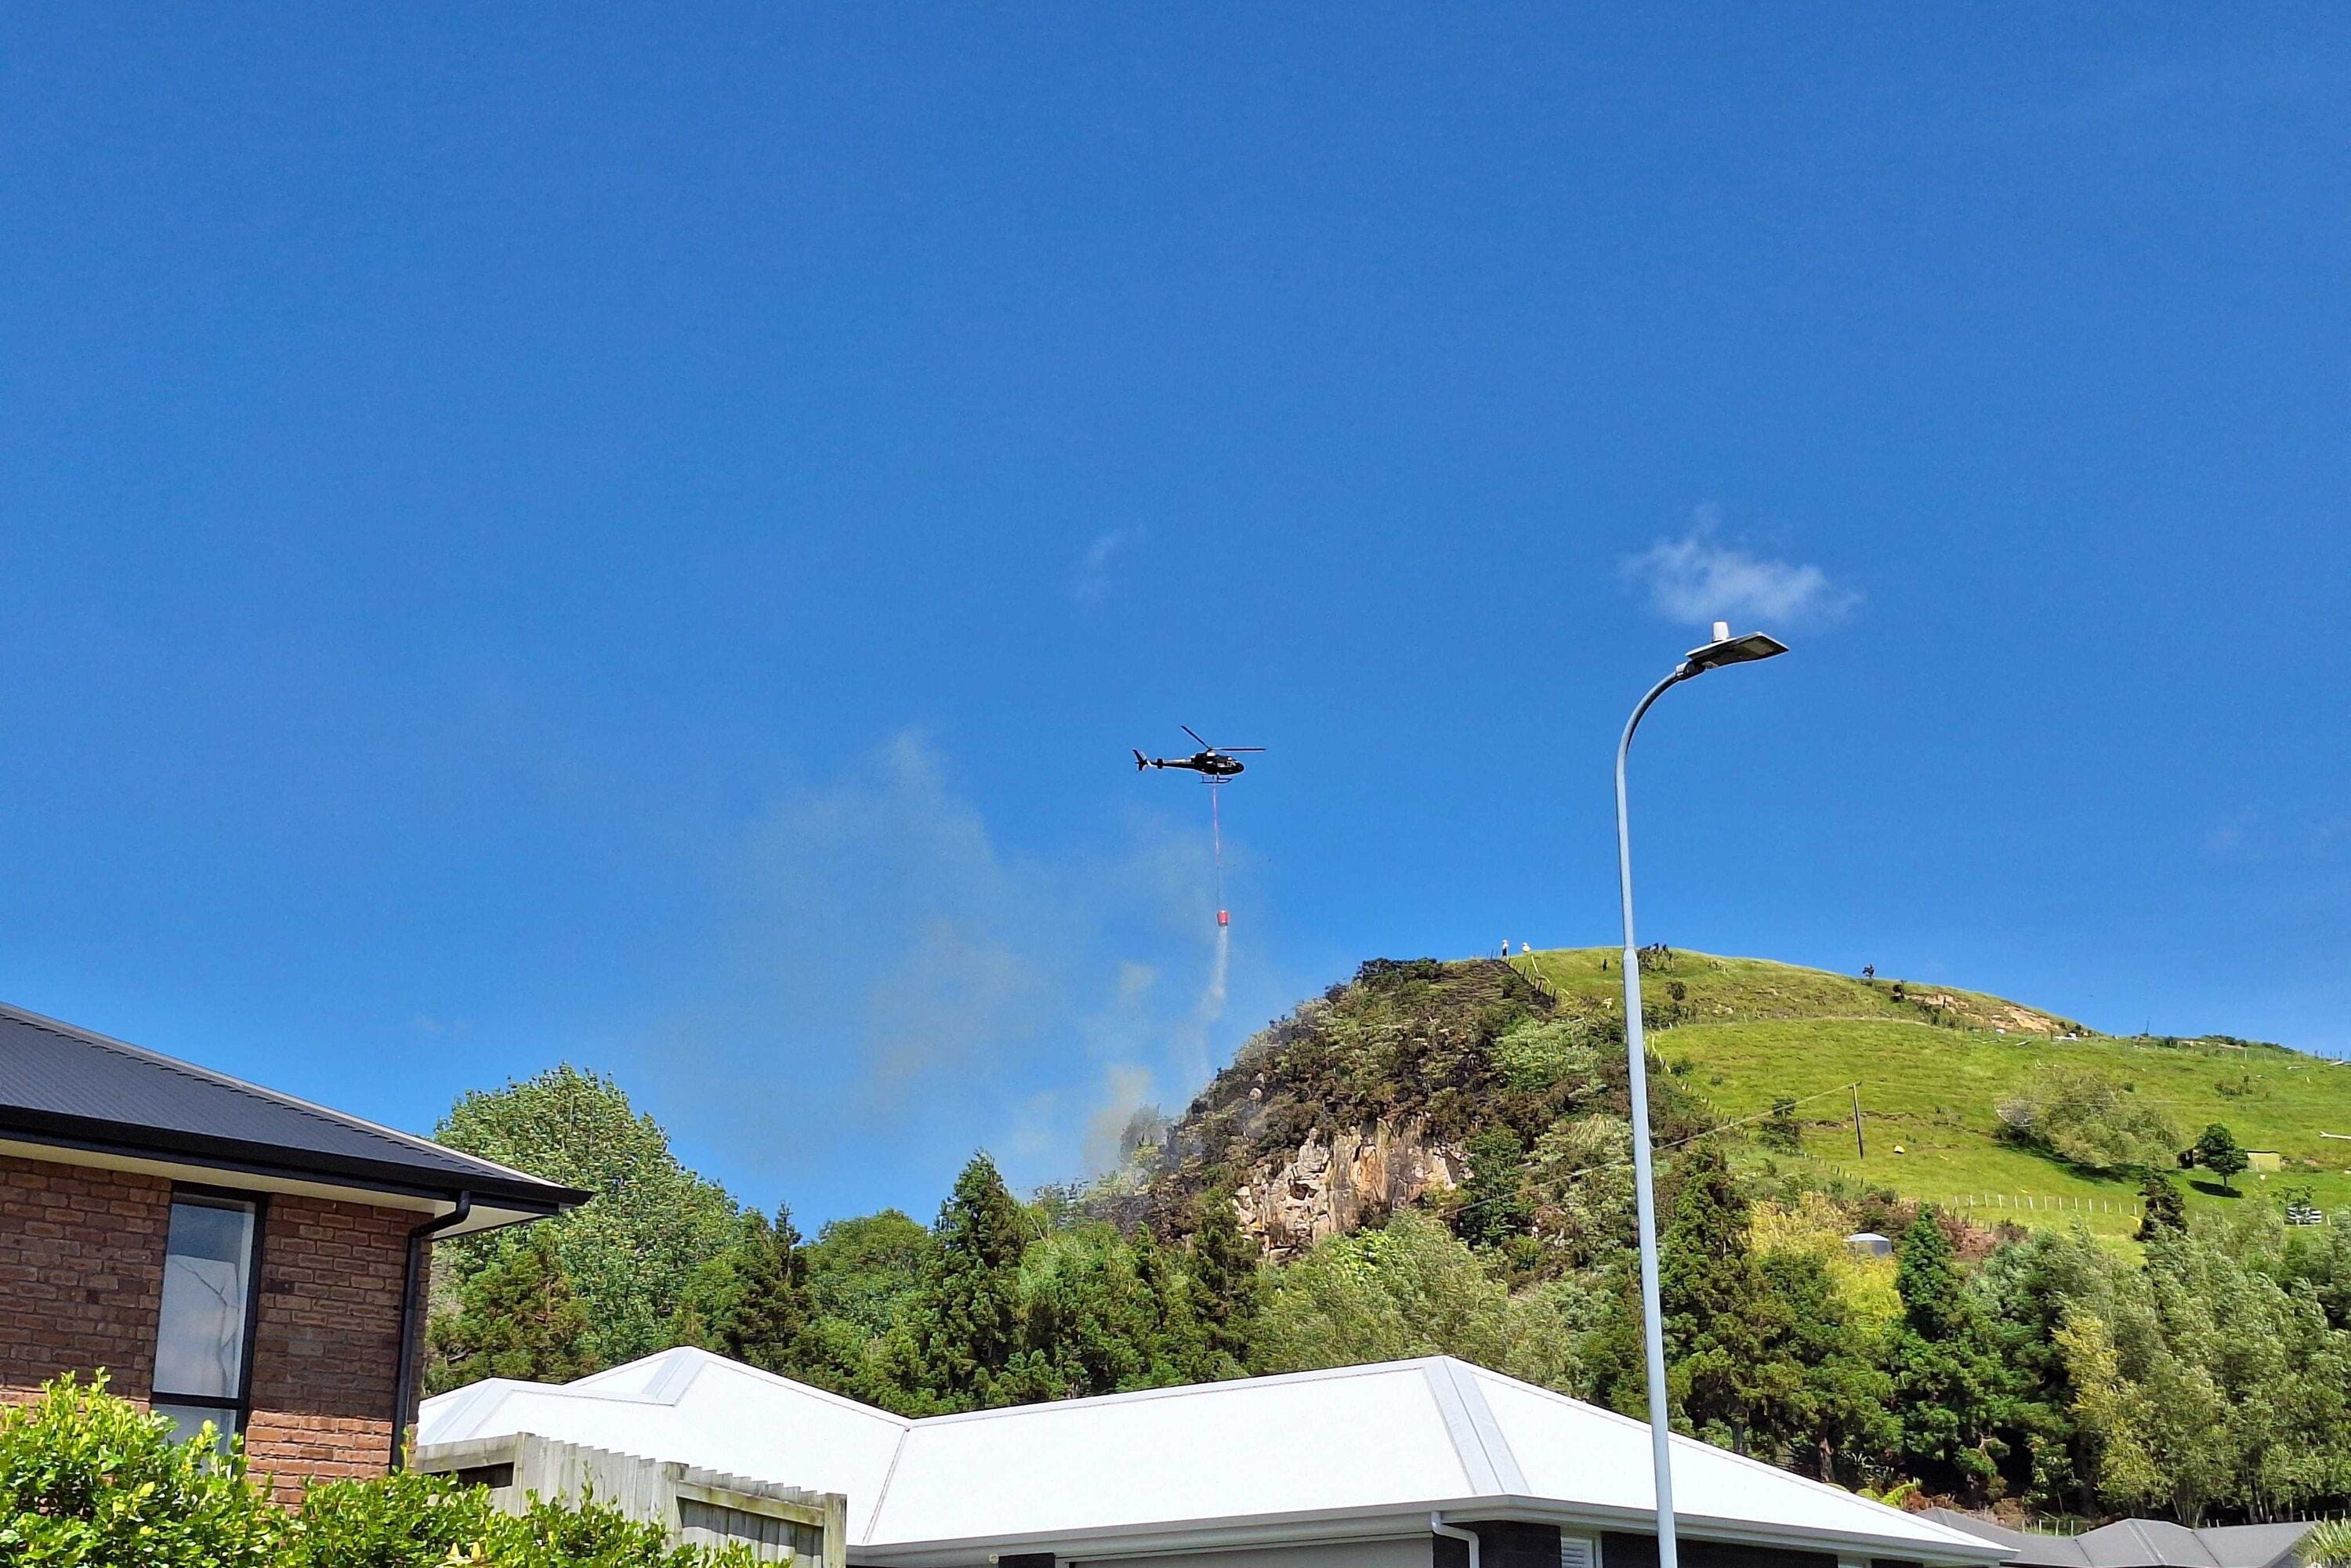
(1932, 1061)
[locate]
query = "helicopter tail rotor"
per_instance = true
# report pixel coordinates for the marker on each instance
(1141, 762)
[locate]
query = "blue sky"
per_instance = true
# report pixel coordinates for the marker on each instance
(644, 536)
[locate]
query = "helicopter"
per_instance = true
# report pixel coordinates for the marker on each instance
(1211, 762)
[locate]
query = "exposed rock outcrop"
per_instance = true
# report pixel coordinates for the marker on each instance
(1329, 1186)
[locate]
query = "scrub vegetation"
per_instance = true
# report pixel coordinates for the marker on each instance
(2090, 1306)
(88, 1481)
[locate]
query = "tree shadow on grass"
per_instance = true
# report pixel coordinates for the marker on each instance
(2214, 1189)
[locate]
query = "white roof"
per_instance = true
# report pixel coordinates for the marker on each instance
(1356, 1452)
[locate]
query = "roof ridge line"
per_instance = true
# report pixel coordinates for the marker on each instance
(882, 1492)
(1503, 1460)
(1140, 1395)
(702, 1361)
(1468, 1444)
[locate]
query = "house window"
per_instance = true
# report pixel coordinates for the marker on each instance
(204, 1339)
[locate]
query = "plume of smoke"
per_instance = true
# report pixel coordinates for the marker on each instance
(892, 986)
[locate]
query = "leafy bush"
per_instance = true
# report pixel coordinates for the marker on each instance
(411, 1520)
(88, 1481)
(1534, 1056)
(1781, 1130)
(2087, 1119)
(2328, 1544)
(405, 1520)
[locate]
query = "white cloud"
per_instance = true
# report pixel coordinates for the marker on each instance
(1091, 583)
(1696, 580)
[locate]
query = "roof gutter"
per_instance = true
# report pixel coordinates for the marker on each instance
(1436, 1526)
(404, 1398)
(1323, 1526)
(525, 1194)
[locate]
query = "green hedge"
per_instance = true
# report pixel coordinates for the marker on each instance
(88, 1481)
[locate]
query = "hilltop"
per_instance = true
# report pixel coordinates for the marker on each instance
(1376, 1093)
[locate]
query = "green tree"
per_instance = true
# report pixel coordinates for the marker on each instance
(1718, 1328)
(965, 1324)
(2162, 1207)
(648, 1226)
(1580, 1178)
(2217, 1151)
(517, 1318)
(1225, 1290)
(1101, 1315)
(751, 1303)
(1952, 1390)
(1411, 1287)
(2205, 1382)
(1762, 1355)
(865, 1270)
(2087, 1119)
(1833, 1419)
(2321, 1261)
(864, 1276)
(1493, 1206)
(2023, 1292)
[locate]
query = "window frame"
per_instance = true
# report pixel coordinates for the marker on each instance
(238, 1411)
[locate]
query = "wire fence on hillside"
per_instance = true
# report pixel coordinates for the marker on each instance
(2030, 1202)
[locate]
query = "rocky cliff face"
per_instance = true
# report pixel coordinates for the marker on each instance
(1331, 1185)
(1366, 1099)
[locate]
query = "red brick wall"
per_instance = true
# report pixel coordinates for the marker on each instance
(327, 1349)
(81, 1272)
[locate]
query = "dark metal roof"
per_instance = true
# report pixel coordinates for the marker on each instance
(67, 1086)
(2139, 1543)
(2254, 1545)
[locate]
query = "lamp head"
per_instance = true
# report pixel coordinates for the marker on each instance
(1726, 649)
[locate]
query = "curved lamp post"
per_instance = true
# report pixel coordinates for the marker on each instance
(1725, 649)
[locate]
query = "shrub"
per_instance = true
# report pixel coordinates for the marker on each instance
(407, 1521)
(1411, 1288)
(412, 1520)
(1781, 1130)
(2087, 1120)
(2328, 1544)
(1535, 1056)
(594, 1535)
(88, 1481)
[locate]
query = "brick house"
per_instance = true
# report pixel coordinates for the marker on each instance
(224, 1252)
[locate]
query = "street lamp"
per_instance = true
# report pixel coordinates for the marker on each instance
(1725, 649)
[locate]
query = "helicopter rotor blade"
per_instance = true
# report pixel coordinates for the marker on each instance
(1195, 734)
(1229, 750)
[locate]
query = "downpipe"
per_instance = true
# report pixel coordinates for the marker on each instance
(1436, 1526)
(404, 1396)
